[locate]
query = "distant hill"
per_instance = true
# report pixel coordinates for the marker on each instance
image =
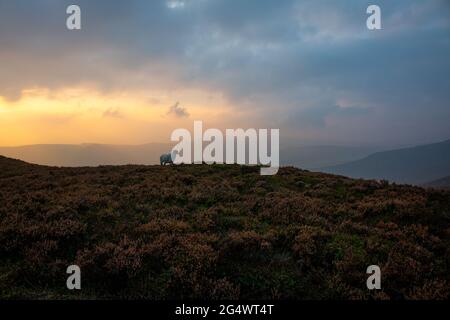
(217, 232)
(69, 155)
(416, 165)
(314, 157)
(439, 183)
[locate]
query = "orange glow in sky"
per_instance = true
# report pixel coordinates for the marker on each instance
(86, 115)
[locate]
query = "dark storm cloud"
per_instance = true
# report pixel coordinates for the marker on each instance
(283, 59)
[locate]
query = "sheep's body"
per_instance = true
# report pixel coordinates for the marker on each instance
(165, 159)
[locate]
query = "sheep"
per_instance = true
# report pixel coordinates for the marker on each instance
(166, 159)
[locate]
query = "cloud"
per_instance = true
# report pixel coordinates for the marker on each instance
(178, 111)
(113, 113)
(317, 115)
(277, 59)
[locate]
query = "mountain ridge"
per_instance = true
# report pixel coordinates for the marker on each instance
(439, 183)
(414, 165)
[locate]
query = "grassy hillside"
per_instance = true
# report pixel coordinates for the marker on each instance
(217, 232)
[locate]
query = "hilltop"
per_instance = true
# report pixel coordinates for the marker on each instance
(217, 232)
(7, 163)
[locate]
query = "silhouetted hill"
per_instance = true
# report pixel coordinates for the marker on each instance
(439, 183)
(417, 165)
(217, 232)
(12, 167)
(6, 163)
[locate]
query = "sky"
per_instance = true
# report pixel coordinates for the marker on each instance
(139, 69)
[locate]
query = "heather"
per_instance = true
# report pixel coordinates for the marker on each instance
(217, 232)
